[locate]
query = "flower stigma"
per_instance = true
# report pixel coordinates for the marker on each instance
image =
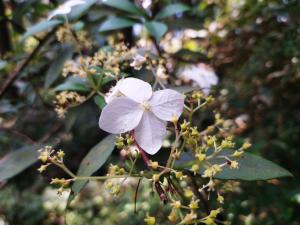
(146, 105)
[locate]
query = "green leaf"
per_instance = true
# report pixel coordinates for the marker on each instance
(115, 23)
(40, 27)
(172, 9)
(156, 29)
(17, 161)
(100, 102)
(92, 162)
(251, 167)
(57, 65)
(124, 5)
(79, 10)
(73, 84)
(183, 89)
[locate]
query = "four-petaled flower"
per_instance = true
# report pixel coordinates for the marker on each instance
(65, 8)
(203, 75)
(134, 106)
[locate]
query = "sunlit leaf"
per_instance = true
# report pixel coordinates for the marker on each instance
(80, 9)
(64, 53)
(15, 162)
(115, 23)
(156, 29)
(172, 9)
(251, 167)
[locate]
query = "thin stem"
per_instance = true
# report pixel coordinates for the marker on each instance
(177, 136)
(136, 194)
(73, 36)
(106, 177)
(64, 168)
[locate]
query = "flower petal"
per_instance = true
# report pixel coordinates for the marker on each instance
(203, 75)
(166, 104)
(62, 10)
(72, 3)
(136, 89)
(150, 133)
(114, 92)
(120, 116)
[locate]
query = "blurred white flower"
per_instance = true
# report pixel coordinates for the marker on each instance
(138, 62)
(143, 111)
(146, 3)
(203, 75)
(65, 8)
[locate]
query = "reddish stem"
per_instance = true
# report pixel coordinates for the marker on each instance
(143, 154)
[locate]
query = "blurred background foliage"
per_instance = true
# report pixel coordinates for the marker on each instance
(252, 44)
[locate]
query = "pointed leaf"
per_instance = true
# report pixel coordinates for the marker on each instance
(183, 89)
(80, 9)
(100, 102)
(251, 167)
(40, 27)
(92, 162)
(17, 161)
(64, 53)
(73, 84)
(172, 9)
(124, 5)
(156, 29)
(115, 23)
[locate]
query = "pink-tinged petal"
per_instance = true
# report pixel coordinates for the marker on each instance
(150, 133)
(166, 104)
(120, 116)
(136, 89)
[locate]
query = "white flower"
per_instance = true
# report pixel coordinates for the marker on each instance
(138, 61)
(65, 8)
(203, 75)
(114, 92)
(143, 111)
(161, 73)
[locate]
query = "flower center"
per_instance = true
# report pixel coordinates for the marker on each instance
(145, 105)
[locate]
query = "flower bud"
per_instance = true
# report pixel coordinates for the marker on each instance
(153, 165)
(173, 215)
(155, 177)
(195, 168)
(194, 205)
(176, 204)
(150, 220)
(44, 156)
(246, 145)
